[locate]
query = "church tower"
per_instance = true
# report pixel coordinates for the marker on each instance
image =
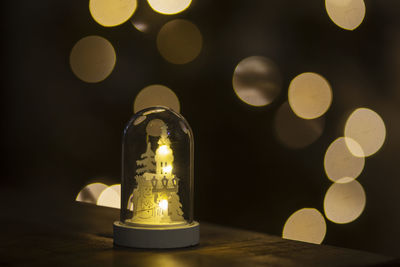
(164, 157)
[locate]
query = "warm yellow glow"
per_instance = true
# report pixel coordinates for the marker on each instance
(91, 193)
(256, 81)
(167, 169)
(344, 203)
(163, 204)
(156, 95)
(169, 7)
(110, 197)
(109, 13)
(92, 59)
(347, 14)
(309, 95)
(307, 225)
(179, 41)
(164, 150)
(339, 162)
(367, 128)
(295, 132)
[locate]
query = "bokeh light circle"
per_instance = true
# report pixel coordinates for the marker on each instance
(344, 202)
(91, 193)
(156, 95)
(295, 132)
(179, 41)
(307, 225)
(367, 128)
(92, 59)
(340, 163)
(310, 95)
(347, 14)
(110, 197)
(109, 13)
(169, 7)
(256, 81)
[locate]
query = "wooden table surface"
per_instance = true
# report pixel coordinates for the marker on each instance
(81, 235)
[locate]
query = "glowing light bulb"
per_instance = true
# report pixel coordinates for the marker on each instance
(164, 150)
(163, 204)
(167, 169)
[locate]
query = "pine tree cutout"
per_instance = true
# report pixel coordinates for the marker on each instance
(175, 208)
(146, 163)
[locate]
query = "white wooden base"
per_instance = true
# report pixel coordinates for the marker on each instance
(156, 237)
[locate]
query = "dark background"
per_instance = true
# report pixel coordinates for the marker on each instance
(60, 134)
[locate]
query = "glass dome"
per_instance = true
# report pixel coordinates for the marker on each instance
(157, 174)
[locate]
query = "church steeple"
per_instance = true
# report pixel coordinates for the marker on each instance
(164, 156)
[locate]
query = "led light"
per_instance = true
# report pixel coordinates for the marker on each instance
(167, 169)
(157, 188)
(163, 204)
(163, 150)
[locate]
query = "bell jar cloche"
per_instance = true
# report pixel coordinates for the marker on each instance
(157, 182)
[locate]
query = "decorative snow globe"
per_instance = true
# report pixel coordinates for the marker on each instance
(157, 182)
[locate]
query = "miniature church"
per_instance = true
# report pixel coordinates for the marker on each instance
(155, 198)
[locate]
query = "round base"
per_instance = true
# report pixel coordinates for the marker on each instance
(159, 237)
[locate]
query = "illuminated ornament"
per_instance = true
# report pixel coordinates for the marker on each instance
(157, 182)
